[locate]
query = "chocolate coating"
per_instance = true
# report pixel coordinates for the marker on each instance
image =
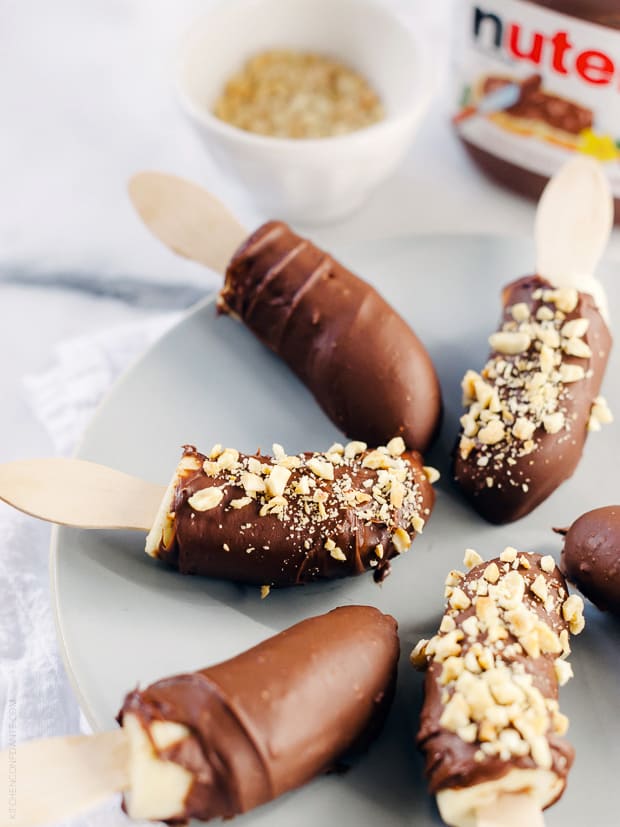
(450, 761)
(366, 368)
(286, 549)
(279, 714)
(591, 557)
(522, 481)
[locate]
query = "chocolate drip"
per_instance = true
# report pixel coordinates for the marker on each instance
(591, 557)
(451, 762)
(366, 368)
(299, 544)
(279, 714)
(535, 104)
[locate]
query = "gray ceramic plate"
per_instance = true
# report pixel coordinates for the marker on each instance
(123, 619)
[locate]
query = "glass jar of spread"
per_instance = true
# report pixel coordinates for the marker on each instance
(537, 81)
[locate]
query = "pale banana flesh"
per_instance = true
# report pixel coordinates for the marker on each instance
(162, 519)
(459, 806)
(158, 789)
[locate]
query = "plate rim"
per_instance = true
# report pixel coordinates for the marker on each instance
(63, 647)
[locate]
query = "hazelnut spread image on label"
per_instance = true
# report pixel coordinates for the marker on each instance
(537, 82)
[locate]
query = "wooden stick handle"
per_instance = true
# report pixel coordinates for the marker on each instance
(574, 220)
(42, 782)
(188, 219)
(511, 810)
(80, 494)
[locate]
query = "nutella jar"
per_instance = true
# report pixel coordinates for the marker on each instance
(538, 82)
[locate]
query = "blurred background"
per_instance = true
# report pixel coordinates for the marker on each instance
(87, 96)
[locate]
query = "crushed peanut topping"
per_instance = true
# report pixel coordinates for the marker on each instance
(572, 612)
(313, 494)
(490, 696)
(401, 540)
(418, 656)
(396, 446)
(524, 390)
(432, 474)
(491, 573)
(290, 94)
(206, 499)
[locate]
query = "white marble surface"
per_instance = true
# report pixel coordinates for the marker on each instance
(87, 98)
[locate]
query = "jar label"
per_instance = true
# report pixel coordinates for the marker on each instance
(535, 86)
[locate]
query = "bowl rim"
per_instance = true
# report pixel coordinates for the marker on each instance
(421, 94)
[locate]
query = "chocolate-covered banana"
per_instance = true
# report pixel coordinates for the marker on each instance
(530, 409)
(491, 723)
(219, 742)
(366, 368)
(287, 520)
(591, 557)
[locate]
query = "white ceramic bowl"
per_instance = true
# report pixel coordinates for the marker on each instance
(308, 180)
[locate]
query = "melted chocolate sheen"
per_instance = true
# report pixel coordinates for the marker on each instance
(557, 455)
(279, 556)
(279, 714)
(367, 369)
(591, 557)
(450, 761)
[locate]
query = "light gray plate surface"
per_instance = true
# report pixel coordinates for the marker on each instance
(124, 619)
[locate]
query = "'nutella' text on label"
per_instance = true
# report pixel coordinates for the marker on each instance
(535, 86)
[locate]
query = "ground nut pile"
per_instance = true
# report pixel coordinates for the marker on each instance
(287, 94)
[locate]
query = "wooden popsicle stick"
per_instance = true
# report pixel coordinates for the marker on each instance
(573, 224)
(81, 494)
(511, 810)
(188, 219)
(42, 782)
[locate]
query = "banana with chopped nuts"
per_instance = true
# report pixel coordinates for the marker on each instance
(270, 521)
(529, 410)
(491, 725)
(287, 520)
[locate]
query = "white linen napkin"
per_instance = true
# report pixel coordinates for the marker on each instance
(35, 694)
(64, 398)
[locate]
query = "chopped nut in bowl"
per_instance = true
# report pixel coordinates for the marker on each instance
(311, 103)
(288, 94)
